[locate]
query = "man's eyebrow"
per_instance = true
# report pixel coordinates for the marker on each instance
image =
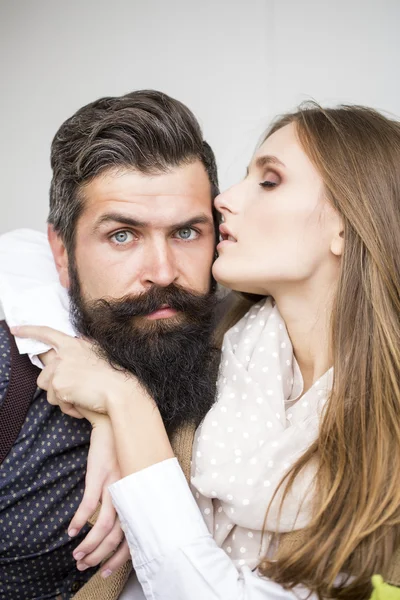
(128, 220)
(118, 218)
(196, 220)
(263, 161)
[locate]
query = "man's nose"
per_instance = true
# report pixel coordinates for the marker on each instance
(160, 266)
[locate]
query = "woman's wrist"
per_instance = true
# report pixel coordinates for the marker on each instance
(121, 391)
(139, 432)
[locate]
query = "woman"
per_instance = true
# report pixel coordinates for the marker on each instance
(292, 445)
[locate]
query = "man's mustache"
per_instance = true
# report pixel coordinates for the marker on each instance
(172, 296)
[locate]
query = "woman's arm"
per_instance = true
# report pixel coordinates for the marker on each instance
(173, 553)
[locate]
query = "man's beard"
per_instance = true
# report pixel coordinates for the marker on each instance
(173, 358)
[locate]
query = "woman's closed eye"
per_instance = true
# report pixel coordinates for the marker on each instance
(271, 180)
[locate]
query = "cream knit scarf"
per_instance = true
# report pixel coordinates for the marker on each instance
(259, 426)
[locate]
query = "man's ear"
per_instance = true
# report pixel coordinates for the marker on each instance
(60, 255)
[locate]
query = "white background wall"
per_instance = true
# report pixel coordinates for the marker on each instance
(234, 62)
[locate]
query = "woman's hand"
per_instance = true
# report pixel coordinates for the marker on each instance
(106, 536)
(47, 359)
(78, 375)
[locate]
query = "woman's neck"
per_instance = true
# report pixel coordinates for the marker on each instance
(307, 314)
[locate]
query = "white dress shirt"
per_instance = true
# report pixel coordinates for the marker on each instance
(174, 555)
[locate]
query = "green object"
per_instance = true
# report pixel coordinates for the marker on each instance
(384, 591)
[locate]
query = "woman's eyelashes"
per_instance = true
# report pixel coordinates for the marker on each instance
(268, 184)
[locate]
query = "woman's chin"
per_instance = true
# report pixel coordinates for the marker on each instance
(229, 278)
(223, 275)
(228, 274)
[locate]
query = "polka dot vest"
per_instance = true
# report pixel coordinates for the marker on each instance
(41, 485)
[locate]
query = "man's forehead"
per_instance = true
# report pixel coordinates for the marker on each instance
(158, 201)
(161, 211)
(125, 184)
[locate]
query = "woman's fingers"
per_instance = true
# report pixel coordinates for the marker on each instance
(47, 335)
(51, 396)
(70, 410)
(46, 381)
(88, 505)
(101, 529)
(119, 558)
(46, 376)
(51, 381)
(48, 357)
(109, 544)
(54, 400)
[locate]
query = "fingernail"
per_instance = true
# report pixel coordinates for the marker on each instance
(106, 573)
(82, 567)
(72, 532)
(79, 555)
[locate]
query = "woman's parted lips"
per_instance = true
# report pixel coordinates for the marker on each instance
(226, 234)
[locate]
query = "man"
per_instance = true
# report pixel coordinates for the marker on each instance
(132, 232)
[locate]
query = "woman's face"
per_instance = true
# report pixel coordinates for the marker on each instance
(281, 229)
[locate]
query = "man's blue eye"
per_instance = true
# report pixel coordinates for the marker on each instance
(121, 237)
(186, 233)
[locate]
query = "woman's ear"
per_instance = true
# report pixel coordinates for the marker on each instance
(60, 255)
(337, 243)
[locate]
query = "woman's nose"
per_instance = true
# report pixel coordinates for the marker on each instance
(224, 202)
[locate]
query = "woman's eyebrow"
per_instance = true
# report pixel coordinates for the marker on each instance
(263, 161)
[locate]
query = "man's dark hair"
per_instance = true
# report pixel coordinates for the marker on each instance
(146, 130)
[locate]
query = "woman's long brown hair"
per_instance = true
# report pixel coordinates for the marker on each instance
(355, 526)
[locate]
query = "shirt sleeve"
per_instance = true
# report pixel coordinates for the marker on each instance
(173, 553)
(30, 291)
